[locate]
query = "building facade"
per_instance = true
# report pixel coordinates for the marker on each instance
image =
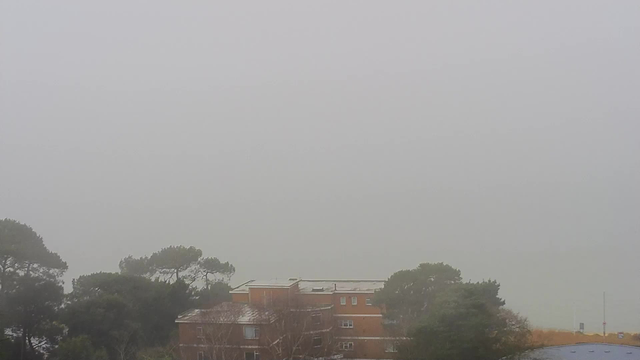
(293, 318)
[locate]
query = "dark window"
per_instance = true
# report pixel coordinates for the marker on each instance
(200, 355)
(346, 324)
(251, 332)
(316, 319)
(317, 341)
(348, 346)
(253, 355)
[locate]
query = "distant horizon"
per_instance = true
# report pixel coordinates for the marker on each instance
(335, 138)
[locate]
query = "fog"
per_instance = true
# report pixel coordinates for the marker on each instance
(336, 140)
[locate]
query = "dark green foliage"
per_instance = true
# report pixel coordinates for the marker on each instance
(107, 315)
(408, 294)
(446, 319)
(174, 260)
(179, 263)
(467, 322)
(8, 347)
(96, 317)
(124, 312)
(138, 267)
(212, 295)
(22, 251)
(34, 305)
(211, 270)
(30, 289)
(158, 353)
(78, 348)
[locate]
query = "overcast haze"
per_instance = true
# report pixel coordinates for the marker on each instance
(336, 140)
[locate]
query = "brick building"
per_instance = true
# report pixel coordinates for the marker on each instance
(291, 318)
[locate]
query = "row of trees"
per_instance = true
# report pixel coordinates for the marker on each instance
(107, 316)
(176, 263)
(130, 315)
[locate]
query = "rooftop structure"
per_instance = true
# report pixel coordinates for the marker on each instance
(314, 286)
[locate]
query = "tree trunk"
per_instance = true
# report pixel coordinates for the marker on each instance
(33, 349)
(23, 345)
(3, 287)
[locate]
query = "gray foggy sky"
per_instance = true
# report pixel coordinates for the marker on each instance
(335, 139)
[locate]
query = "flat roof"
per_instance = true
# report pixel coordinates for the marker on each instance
(316, 286)
(275, 283)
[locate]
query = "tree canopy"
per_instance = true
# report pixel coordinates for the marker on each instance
(136, 266)
(22, 252)
(179, 263)
(408, 294)
(212, 270)
(31, 291)
(131, 314)
(446, 319)
(107, 316)
(114, 308)
(174, 260)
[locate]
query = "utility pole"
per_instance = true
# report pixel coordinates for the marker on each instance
(574, 318)
(604, 317)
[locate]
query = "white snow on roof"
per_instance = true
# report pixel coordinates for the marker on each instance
(275, 283)
(228, 313)
(317, 286)
(340, 286)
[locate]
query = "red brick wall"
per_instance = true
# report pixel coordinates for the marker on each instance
(269, 296)
(241, 298)
(360, 308)
(316, 299)
(362, 326)
(367, 349)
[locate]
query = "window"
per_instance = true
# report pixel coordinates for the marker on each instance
(390, 347)
(346, 324)
(316, 319)
(354, 300)
(343, 300)
(199, 331)
(252, 355)
(201, 355)
(317, 341)
(251, 332)
(369, 302)
(346, 346)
